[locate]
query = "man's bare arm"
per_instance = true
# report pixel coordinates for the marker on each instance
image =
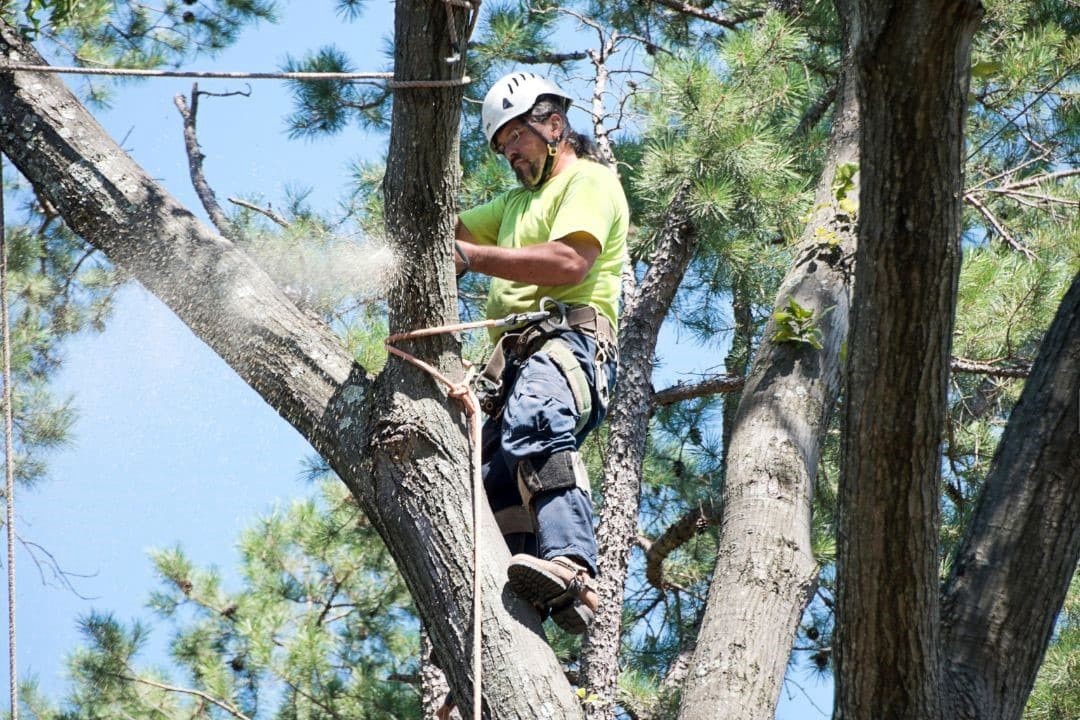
(564, 261)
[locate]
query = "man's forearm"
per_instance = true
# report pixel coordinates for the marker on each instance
(551, 263)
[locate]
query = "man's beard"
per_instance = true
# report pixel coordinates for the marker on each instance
(528, 172)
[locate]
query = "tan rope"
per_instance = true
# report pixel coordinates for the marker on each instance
(9, 460)
(463, 392)
(387, 77)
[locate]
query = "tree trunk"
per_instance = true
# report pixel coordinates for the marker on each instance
(397, 441)
(764, 571)
(628, 426)
(911, 60)
(1013, 568)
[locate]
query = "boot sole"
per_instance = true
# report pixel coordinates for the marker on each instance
(540, 586)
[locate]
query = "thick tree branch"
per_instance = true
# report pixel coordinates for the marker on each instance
(912, 62)
(417, 449)
(772, 464)
(290, 358)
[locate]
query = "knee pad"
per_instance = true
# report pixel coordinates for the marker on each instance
(515, 519)
(558, 471)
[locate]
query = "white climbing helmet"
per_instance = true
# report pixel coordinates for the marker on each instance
(513, 95)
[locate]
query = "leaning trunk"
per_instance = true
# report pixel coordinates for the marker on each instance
(999, 609)
(397, 441)
(765, 571)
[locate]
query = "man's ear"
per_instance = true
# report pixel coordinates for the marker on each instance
(558, 124)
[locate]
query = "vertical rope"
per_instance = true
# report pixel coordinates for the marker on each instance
(9, 454)
(472, 406)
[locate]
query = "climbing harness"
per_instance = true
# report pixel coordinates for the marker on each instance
(542, 334)
(536, 328)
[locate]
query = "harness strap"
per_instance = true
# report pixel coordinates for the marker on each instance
(539, 335)
(564, 359)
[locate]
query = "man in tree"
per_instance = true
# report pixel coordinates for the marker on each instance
(555, 243)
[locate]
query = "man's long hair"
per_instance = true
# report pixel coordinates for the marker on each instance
(548, 105)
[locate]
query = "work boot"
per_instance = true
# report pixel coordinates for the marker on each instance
(560, 586)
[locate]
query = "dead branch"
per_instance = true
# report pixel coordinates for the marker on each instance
(998, 227)
(195, 162)
(1019, 369)
(687, 391)
(262, 211)
(686, 527)
(1037, 180)
(226, 706)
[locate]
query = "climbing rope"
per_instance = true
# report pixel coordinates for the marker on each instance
(463, 392)
(387, 77)
(9, 456)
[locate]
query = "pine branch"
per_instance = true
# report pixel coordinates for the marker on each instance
(998, 226)
(538, 58)
(227, 707)
(684, 391)
(815, 112)
(406, 678)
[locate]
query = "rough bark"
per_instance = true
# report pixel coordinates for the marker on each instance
(628, 421)
(1013, 568)
(764, 570)
(911, 60)
(397, 441)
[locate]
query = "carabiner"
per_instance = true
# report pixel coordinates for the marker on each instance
(562, 323)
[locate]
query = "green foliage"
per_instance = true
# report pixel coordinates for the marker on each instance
(322, 624)
(796, 324)
(321, 619)
(326, 107)
(104, 33)
(57, 287)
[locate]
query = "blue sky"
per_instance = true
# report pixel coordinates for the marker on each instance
(171, 447)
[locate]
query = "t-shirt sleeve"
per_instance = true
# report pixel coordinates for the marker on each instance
(587, 206)
(483, 221)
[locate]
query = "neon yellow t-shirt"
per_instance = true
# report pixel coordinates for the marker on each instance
(585, 197)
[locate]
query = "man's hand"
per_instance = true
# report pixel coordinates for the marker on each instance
(461, 260)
